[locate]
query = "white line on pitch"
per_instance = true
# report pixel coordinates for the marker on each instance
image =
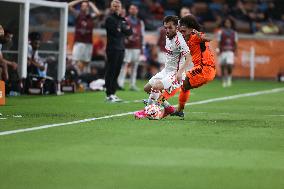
(129, 113)
(276, 115)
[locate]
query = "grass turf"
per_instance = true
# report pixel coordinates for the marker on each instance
(229, 144)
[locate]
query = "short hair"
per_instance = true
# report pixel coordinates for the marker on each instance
(132, 4)
(190, 21)
(34, 36)
(116, 1)
(171, 18)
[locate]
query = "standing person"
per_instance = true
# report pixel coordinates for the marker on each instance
(117, 29)
(227, 39)
(134, 48)
(84, 24)
(178, 58)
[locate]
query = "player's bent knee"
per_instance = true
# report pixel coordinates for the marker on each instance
(158, 85)
(147, 88)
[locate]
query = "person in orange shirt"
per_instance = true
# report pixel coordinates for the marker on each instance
(203, 70)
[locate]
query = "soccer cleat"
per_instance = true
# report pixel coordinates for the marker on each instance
(169, 110)
(140, 114)
(145, 101)
(178, 114)
(113, 98)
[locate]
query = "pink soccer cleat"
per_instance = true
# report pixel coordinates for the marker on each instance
(169, 110)
(140, 114)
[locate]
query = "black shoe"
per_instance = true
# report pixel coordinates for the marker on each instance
(178, 114)
(145, 101)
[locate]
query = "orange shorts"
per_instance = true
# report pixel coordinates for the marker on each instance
(200, 75)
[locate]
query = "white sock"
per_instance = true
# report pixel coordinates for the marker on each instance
(165, 104)
(229, 80)
(154, 96)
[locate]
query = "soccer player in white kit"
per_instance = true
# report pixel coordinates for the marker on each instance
(177, 59)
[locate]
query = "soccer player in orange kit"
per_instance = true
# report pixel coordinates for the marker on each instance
(203, 70)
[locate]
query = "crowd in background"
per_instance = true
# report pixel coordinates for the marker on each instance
(251, 16)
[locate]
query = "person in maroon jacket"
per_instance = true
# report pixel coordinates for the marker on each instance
(84, 24)
(134, 45)
(227, 40)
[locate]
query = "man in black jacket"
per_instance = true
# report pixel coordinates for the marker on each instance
(117, 29)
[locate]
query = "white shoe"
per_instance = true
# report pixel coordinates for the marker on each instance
(229, 81)
(113, 98)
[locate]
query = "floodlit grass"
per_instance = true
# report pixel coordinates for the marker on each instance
(229, 144)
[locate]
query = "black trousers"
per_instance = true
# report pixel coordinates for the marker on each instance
(113, 66)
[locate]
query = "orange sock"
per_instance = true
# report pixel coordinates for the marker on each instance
(183, 98)
(165, 95)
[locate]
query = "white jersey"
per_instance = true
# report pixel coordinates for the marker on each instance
(176, 50)
(34, 54)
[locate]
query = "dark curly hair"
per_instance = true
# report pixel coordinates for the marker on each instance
(190, 21)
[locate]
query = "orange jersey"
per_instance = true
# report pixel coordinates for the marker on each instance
(199, 50)
(203, 60)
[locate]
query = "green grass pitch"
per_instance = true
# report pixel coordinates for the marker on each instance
(232, 144)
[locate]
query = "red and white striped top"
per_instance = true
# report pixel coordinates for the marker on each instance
(176, 50)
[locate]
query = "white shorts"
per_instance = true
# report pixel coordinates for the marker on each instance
(82, 51)
(227, 57)
(132, 55)
(167, 78)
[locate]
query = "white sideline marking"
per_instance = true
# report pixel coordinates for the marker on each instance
(276, 115)
(128, 113)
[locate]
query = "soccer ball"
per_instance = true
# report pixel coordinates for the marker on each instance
(153, 111)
